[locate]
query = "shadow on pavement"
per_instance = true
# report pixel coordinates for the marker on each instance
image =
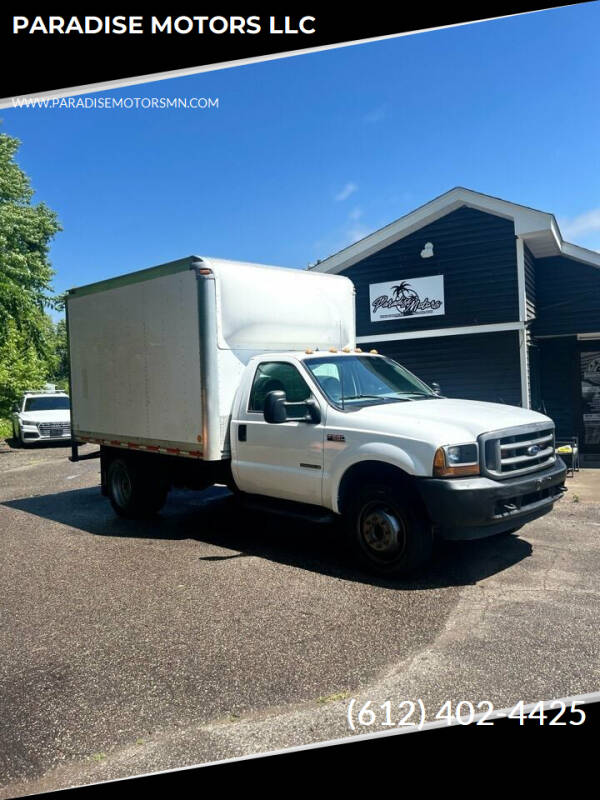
(15, 444)
(212, 517)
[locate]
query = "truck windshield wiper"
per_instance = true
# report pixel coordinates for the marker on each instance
(419, 395)
(379, 397)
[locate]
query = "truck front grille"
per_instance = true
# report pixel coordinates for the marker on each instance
(517, 451)
(53, 429)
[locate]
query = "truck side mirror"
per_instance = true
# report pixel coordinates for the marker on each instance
(314, 410)
(275, 411)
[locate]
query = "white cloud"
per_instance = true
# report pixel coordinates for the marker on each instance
(376, 114)
(345, 193)
(349, 231)
(584, 224)
(356, 232)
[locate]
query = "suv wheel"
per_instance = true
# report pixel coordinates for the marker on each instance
(17, 435)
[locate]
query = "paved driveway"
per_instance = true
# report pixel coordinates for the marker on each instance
(130, 647)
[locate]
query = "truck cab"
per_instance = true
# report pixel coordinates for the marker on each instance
(358, 434)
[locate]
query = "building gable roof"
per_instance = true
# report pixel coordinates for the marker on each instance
(538, 229)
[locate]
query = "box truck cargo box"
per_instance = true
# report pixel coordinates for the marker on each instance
(157, 355)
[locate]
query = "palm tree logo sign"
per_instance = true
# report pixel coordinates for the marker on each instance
(406, 299)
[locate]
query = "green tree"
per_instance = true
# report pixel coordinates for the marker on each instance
(59, 373)
(27, 335)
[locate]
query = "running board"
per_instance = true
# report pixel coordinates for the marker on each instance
(291, 510)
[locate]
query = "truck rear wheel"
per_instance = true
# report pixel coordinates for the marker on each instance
(133, 492)
(389, 531)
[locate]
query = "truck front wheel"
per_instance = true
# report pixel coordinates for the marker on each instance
(389, 531)
(133, 492)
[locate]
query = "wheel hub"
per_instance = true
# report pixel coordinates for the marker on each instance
(380, 530)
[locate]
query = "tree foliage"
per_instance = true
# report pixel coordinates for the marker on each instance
(28, 337)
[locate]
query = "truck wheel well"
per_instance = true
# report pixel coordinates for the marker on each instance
(372, 472)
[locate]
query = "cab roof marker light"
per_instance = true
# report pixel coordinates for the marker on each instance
(374, 352)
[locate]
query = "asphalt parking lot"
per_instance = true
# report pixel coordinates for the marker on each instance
(131, 647)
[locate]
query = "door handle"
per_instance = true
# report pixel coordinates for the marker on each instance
(242, 433)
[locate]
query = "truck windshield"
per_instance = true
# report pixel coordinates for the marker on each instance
(49, 403)
(351, 380)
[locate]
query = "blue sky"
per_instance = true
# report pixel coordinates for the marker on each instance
(306, 154)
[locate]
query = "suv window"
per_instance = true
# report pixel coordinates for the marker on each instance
(48, 403)
(273, 375)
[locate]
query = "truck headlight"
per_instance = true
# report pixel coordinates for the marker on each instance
(454, 460)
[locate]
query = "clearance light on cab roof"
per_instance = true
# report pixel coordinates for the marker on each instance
(333, 350)
(375, 352)
(308, 351)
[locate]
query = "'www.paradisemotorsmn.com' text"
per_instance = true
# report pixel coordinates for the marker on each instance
(122, 103)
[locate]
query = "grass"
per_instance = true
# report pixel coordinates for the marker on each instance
(5, 428)
(332, 698)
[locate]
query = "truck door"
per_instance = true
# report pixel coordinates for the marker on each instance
(279, 460)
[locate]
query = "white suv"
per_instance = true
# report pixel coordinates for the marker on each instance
(42, 417)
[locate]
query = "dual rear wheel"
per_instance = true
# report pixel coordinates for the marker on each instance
(135, 491)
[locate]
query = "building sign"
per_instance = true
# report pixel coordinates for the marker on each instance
(414, 297)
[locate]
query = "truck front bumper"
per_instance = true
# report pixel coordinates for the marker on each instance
(473, 508)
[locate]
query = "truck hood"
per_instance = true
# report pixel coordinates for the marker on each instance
(56, 415)
(444, 420)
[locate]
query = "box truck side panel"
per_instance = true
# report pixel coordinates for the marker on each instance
(135, 362)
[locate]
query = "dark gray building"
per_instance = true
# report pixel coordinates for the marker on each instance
(485, 297)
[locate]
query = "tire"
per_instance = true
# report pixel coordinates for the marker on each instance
(510, 531)
(16, 436)
(389, 531)
(133, 492)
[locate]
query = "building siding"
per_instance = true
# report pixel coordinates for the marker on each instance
(475, 366)
(529, 284)
(559, 383)
(568, 297)
(476, 254)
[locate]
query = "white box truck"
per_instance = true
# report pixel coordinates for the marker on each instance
(205, 371)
